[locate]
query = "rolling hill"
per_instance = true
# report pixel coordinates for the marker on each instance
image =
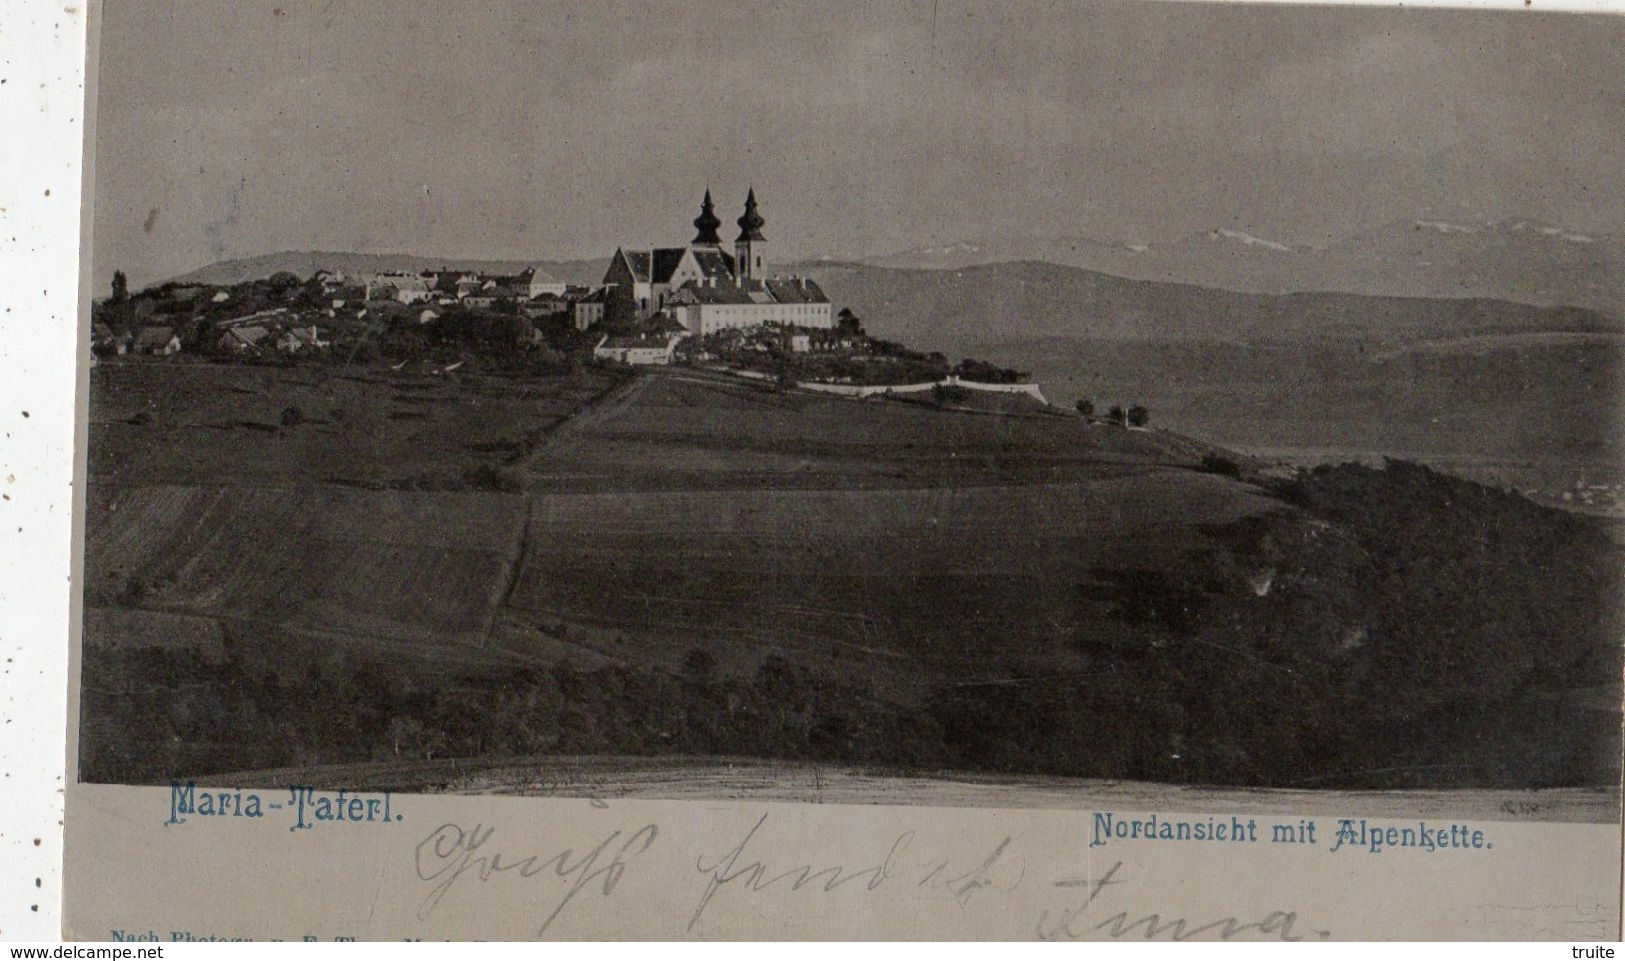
(703, 566)
(955, 310)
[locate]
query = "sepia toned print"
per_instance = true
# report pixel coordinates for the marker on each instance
(1039, 405)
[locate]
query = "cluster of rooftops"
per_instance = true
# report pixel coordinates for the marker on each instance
(688, 285)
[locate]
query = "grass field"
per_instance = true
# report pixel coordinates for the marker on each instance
(943, 582)
(691, 431)
(689, 510)
(194, 422)
(375, 564)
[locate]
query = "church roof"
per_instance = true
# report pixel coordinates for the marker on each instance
(652, 265)
(666, 261)
(751, 222)
(707, 223)
(658, 265)
(714, 262)
(796, 290)
(781, 291)
(637, 261)
(692, 292)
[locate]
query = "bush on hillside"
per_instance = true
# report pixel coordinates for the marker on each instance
(1216, 463)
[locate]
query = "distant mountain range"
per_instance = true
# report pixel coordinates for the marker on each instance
(1519, 260)
(307, 262)
(964, 310)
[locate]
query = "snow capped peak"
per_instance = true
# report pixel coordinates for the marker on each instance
(1247, 239)
(1547, 230)
(1446, 227)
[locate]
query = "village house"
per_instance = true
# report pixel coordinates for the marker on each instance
(639, 350)
(243, 339)
(297, 339)
(539, 282)
(589, 309)
(256, 317)
(406, 288)
(348, 295)
(157, 341)
(104, 340)
(488, 296)
(546, 305)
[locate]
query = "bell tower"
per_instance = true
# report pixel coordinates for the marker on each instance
(750, 250)
(706, 224)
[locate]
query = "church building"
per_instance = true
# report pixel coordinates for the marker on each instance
(708, 288)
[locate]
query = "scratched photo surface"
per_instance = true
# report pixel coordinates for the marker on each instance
(1033, 405)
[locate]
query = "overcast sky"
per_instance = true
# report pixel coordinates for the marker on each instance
(556, 130)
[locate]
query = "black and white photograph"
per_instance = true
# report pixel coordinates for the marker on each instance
(1024, 405)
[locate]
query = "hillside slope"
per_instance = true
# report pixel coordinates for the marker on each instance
(709, 567)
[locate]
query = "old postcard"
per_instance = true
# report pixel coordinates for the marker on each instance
(1086, 470)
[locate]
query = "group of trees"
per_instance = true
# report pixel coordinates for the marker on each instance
(152, 715)
(1134, 416)
(982, 372)
(1337, 649)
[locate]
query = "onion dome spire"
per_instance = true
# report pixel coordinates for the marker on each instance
(750, 223)
(706, 223)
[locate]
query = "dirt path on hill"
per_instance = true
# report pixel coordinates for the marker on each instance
(564, 435)
(568, 432)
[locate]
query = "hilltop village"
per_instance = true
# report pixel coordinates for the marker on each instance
(706, 304)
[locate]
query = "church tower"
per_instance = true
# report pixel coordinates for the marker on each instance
(750, 250)
(706, 223)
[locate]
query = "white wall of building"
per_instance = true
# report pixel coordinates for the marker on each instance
(705, 319)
